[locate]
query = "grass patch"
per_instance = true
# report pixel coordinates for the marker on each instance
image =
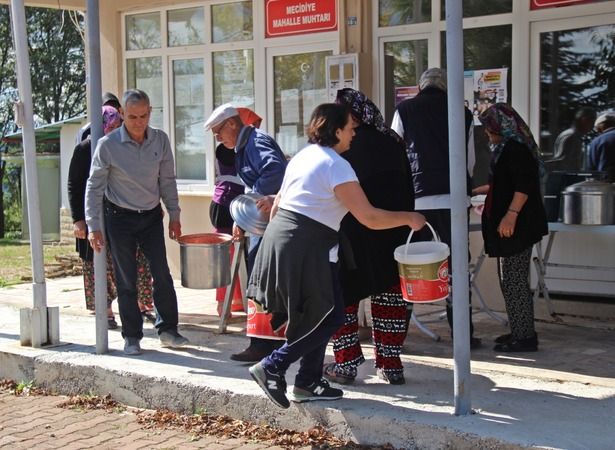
(16, 259)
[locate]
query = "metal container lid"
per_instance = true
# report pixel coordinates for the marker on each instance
(246, 214)
(591, 187)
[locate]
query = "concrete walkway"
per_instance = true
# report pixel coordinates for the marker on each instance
(560, 397)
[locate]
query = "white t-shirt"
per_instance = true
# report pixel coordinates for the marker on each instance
(309, 183)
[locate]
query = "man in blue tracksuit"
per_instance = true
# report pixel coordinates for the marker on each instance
(423, 123)
(260, 164)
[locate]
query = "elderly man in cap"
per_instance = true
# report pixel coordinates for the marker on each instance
(602, 148)
(132, 170)
(422, 122)
(260, 164)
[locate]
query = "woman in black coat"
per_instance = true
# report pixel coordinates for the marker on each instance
(78, 173)
(513, 218)
(378, 156)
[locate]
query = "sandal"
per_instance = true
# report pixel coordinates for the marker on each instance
(391, 377)
(111, 323)
(331, 374)
(148, 316)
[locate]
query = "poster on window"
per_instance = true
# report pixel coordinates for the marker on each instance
(489, 87)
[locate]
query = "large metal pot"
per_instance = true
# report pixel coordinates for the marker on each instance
(205, 260)
(589, 203)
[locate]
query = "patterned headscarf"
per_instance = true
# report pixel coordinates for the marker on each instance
(365, 111)
(502, 119)
(111, 119)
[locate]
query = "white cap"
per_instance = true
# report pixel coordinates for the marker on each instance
(219, 115)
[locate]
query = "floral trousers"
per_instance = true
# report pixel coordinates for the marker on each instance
(144, 283)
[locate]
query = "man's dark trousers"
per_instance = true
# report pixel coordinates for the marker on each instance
(124, 230)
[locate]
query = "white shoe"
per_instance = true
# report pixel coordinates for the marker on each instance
(171, 339)
(132, 346)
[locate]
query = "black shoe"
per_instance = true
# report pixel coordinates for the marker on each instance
(518, 345)
(320, 390)
(250, 355)
(475, 343)
(503, 339)
(273, 384)
(330, 373)
(111, 323)
(391, 377)
(148, 316)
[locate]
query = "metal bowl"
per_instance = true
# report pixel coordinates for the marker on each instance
(246, 214)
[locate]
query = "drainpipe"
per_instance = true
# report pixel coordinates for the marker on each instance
(459, 211)
(33, 322)
(95, 115)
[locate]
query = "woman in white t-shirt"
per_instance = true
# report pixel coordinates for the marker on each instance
(295, 274)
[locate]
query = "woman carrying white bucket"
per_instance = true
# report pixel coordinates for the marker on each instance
(367, 268)
(513, 219)
(295, 276)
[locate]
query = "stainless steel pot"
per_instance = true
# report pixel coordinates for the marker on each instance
(589, 203)
(205, 260)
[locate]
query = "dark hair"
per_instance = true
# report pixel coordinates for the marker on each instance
(325, 121)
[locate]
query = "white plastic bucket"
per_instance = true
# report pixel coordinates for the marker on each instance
(423, 269)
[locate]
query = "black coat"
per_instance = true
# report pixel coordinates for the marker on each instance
(383, 170)
(515, 170)
(78, 174)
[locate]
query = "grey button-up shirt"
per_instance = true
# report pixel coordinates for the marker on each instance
(131, 175)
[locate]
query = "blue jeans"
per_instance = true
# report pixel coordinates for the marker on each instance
(124, 229)
(311, 349)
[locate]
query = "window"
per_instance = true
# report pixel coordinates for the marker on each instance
(189, 115)
(231, 22)
(146, 74)
(404, 62)
(299, 86)
(188, 59)
(143, 31)
(576, 70)
(403, 12)
(473, 8)
(234, 78)
(186, 27)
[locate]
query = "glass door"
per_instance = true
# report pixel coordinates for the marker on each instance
(573, 70)
(188, 114)
(402, 63)
(297, 80)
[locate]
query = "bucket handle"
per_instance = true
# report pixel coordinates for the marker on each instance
(435, 235)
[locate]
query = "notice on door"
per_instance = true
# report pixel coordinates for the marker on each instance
(289, 17)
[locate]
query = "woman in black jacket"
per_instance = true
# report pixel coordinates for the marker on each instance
(378, 156)
(78, 173)
(513, 218)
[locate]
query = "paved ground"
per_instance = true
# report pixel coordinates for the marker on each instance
(38, 422)
(560, 397)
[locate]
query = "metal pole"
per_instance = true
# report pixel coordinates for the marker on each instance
(95, 116)
(459, 211)
(26, 111)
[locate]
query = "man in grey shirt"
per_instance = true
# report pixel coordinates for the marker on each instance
(132, 169)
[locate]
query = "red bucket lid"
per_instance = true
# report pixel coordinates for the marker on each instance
(205, 239)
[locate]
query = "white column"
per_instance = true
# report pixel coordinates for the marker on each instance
(459, 211)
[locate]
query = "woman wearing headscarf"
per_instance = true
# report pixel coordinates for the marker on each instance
(295, 275)
(378, 156)
(77, 178)
(513, 218)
